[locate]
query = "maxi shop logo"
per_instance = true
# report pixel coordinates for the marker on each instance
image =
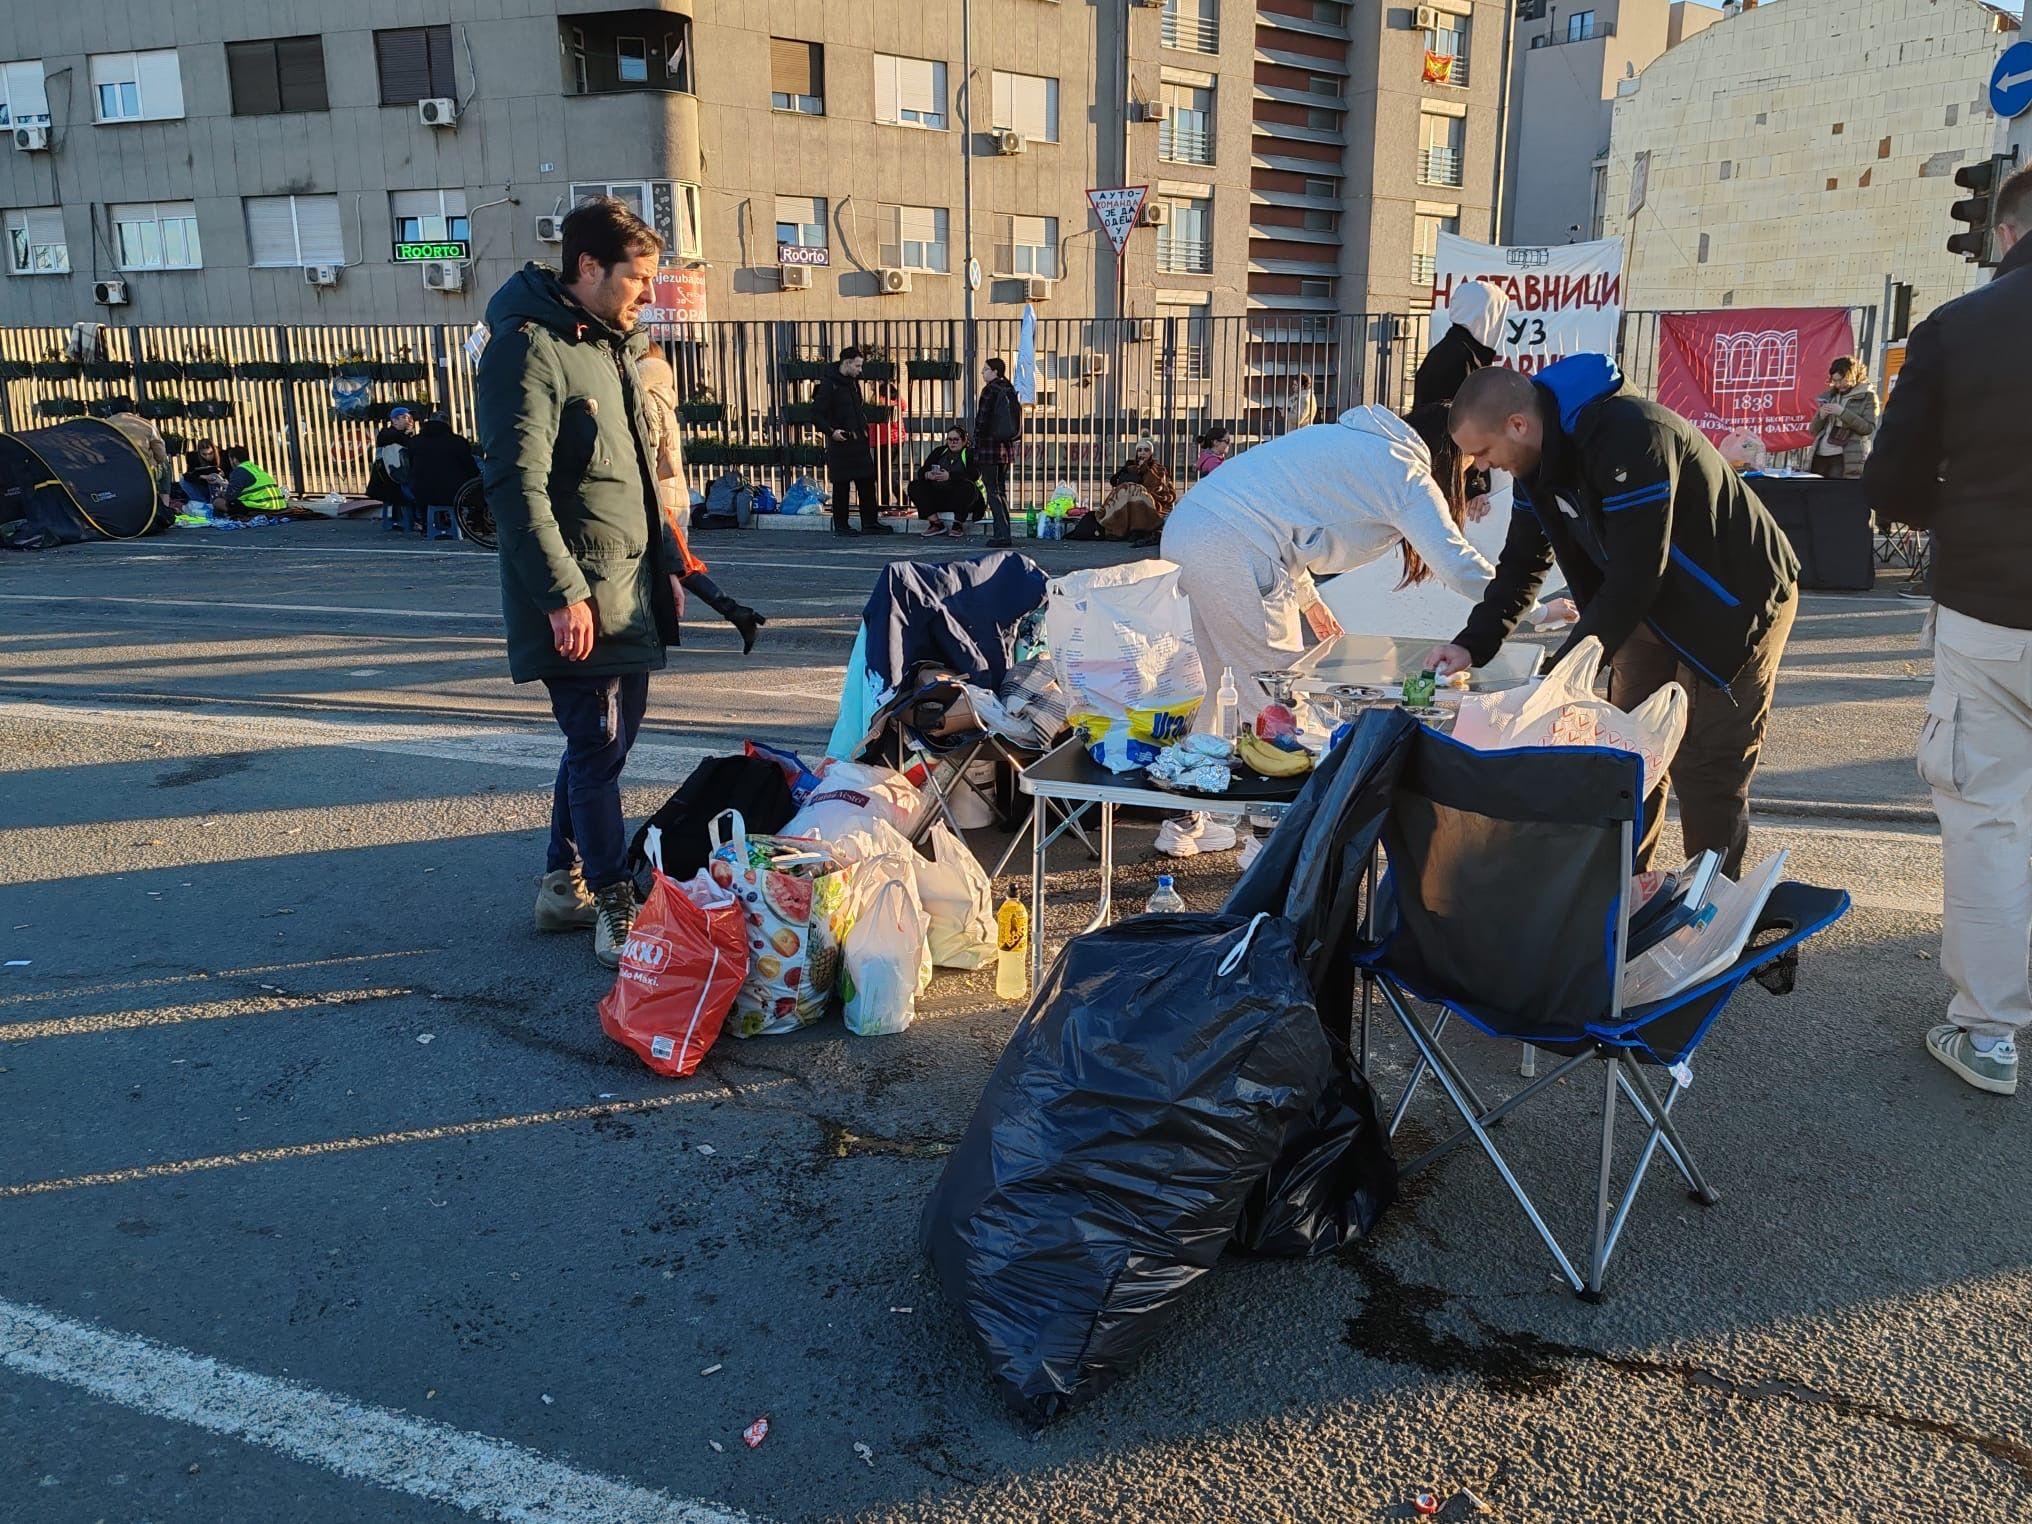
(644, 957)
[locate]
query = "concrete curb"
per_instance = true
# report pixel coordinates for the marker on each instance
(1833, 809)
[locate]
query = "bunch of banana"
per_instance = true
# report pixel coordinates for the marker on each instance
(1270, 759)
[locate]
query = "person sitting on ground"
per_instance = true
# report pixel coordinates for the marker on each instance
(1214, 445)
(1140, 497)
(440, 464)
(250, 492)
(204, 477)
(946, 491)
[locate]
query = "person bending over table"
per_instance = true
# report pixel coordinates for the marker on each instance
(1249, 538)
(1677, 567)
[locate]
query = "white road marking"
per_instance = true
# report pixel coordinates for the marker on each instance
(651, 761)
(492, 1478)
(235, 606)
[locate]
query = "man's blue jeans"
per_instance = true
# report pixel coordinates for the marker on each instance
(599, 717)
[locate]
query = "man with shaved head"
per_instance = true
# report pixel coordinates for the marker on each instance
(1676, 566)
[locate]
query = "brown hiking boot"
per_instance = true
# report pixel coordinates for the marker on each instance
(563, 903)
(615, 914)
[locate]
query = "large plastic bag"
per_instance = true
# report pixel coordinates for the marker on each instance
(1148, 1089)
(794, 894)
(886, 959)
(852, 796)
(960, 902)
(1121, 637)
(681, 967)
(1562, 710)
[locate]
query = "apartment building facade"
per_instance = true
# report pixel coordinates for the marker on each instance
(1569, 59)
(219, 161)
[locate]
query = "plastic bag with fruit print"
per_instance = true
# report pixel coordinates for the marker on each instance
(794, 894)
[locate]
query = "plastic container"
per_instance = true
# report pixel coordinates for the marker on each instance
(1227, 706)
(1012, 949)
(1166, 901)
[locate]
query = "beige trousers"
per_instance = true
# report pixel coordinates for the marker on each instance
(1976, 755)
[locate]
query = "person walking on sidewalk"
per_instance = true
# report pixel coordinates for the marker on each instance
(1950, 457)
(849, 455)
(589, 568)
(998, 429)
(1677, 567)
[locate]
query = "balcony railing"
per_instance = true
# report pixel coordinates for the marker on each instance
(1423, 269)
(1457, 76)
(1178, 254)
(1191, 33)
(1184, 141)
(1587, 34)
(1439, 166)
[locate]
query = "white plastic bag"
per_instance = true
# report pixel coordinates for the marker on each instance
(958, 902)
(852, 796)
(1121, 638)
(887, 953)
(1563, 710)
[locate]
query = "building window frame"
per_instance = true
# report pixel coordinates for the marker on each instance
(167, 224)
(145, 85)
(930, 111)
(31, 253)
(929, 253)
(795, 102)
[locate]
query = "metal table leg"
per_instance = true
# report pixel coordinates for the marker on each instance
(1039, 843)
(1106, 908)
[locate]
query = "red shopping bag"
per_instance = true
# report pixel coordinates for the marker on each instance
(681, 967)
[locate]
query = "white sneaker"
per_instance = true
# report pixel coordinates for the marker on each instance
(1190, 835)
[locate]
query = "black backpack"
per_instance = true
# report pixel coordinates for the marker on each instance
(753, 785)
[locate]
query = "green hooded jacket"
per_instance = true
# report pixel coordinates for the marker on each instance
(570, 482)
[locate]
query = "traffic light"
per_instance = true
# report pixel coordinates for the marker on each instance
(1979, 210)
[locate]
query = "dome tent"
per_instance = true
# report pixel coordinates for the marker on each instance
(78, 480)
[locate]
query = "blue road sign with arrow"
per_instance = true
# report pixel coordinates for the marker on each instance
(2011, 81)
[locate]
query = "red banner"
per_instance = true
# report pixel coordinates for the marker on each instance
(1752, 369)
(1438, 68)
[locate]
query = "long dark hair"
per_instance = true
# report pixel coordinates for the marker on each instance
(1449, 471)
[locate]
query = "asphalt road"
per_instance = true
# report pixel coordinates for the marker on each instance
(322, 1196)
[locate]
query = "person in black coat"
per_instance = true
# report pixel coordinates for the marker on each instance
(947, 489)
(850, 458)
(998, 429)
(440, 464)
(1475, 314)
(389, 470)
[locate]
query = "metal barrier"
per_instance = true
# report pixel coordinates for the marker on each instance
(1102, 384)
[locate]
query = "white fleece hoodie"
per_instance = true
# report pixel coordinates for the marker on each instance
(1480, 308)
(1327, 500)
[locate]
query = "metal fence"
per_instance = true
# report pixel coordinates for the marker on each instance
(747, 388)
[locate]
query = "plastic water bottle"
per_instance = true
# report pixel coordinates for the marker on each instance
(1012, 949)
(1166, 900)
(1227, 706)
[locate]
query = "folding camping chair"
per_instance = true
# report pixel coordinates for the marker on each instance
(1505, 904)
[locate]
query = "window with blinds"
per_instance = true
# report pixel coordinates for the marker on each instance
(24, 100)
(429, 216)
(915, 238)
(1026, 246)
(801, 220)
(134, 87)
(277, 74)
(294, 230)
(1025, 103)
(415, 64)
(910, 92)
(35, 242)
(156, 235)
(797, 76)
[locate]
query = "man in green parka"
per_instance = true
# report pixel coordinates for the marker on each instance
(589, 567)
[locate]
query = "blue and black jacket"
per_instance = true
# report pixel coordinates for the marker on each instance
(1649, 525)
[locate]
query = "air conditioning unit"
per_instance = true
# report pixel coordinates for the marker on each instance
(32, 139)
(321, 275)
(892, 282)
(1142, 330)
(794, 277)
(110, 293)
(1145, 111)
(1154, 214)
(550, 230)
(1427, 18)
(444, 275)
(1148, 5)
(1092, 364)
(1037, 289)
(1010, 142)
(438, 111)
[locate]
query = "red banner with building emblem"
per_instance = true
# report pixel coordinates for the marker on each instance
(1754, 370)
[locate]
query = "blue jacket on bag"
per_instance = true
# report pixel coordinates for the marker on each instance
(1649, 525)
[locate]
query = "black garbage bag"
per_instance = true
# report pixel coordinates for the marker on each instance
(1335, 1175)
(1152, 1084)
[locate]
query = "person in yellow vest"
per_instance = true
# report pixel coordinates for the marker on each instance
(250, 491)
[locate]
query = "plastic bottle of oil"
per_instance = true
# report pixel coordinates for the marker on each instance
(1012, 948)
